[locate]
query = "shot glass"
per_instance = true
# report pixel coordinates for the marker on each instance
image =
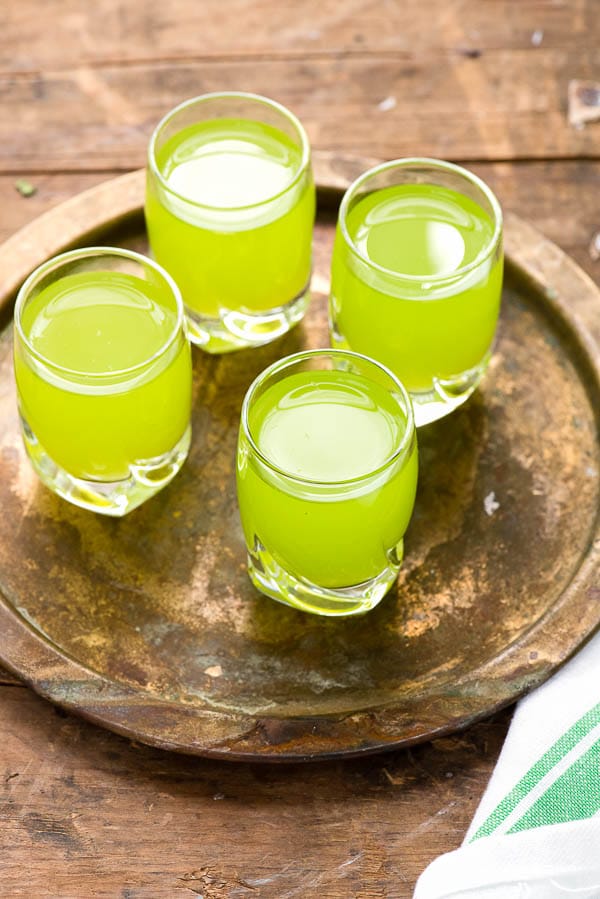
(326, 474)
(103, 374)
(230, 207)
(417, 278)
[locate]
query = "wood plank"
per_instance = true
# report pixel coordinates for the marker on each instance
(94, 815)
(559, 198)
(50, 190)
(502, 105)
(106, 31)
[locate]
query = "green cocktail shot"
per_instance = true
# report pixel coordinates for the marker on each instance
(327, 474)
(230, 206)
(417, 278)
(103, 374)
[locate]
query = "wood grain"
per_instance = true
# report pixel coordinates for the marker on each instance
(108, 31)
(93, 815)
(501, 105)
(50, 190)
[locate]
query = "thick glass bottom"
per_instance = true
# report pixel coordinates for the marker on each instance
(114, 498)
(277, 583)
(235, 330)
(447, 394)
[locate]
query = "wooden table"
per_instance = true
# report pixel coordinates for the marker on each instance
(85, 813)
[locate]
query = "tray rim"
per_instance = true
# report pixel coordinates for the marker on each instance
(56, 676)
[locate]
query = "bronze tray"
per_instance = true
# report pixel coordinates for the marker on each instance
(149, 625)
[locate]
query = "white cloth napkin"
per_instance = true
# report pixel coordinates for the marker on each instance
(536, 833)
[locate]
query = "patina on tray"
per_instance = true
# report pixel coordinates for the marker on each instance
(149, 624)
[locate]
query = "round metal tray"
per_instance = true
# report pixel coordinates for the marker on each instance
(149, 625)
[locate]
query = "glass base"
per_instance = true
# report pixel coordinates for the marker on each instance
(115, 498)
(447, 394)
(235, 330)
(277, 583)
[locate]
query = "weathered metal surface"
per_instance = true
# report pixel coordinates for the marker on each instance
(150, 626)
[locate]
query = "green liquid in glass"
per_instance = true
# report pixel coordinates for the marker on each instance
(439, 322)
(92, 416)
(326, 427)
(235, 227)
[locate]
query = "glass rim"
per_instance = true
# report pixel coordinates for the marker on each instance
(294, 358)
(439, 164)
(56, 262)
(303, 164)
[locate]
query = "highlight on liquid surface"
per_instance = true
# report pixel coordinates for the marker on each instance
(102, 324)
(234, 225)
(322, 428)
(94, 323)
(438, 322)
(229, 163)
(419, 229)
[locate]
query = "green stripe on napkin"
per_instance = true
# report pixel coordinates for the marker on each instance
(573, 796)
(582, 802)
